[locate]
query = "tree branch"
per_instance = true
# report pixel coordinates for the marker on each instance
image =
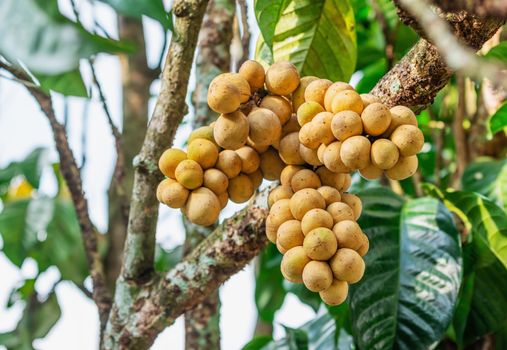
(483, 8)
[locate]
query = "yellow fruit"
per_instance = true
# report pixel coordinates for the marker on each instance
(265, 127)
(240, 82)
(223, 96)
(316, 218)
(293, 263)
(304, 200)
(304, 178)
(231, 130)
(253, 72)
(257, 148)
(320, 152)
(371, 172)
(347, 100)
(174, 195)
(282, 78)
(204, 132)
(223, 198)
(240, 188)
(355, 152)
(406, 167)
(250, 159)
(289, 149)
(161, 187)
(401, 115)
(309, 155)
(316, 91)
(323, 122)
(340, 211)
(365, 246)
(271, 164)
(354, 202)
(203, 207)
(346, 124)
(347, 265)
(328, 178)
(317, 276)
(298, 96)
(216, 181)
(332, 91)
(229, 163)
(280, 192)
(189, 173)
(288, 172)
(368, 99)
(271, 229)
(376, 119)
(291, 126)
(169, 160)
(409, 140)
(348, 234)
(332, 159)
(309, 135)
(330, 194)
(289, 235)
(279, 213)
(384, 154)
(256, 178)
(347, 181)
(203, 152)
(278, 105)
(336, 293)
(307, 111)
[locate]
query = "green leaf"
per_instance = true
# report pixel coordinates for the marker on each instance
(136, 8)
(489, 178)
(498, 121)
(167, 259)
(68, 83)
(269, 291)
(318, 37)
(258, 343)
(263, 53)
(31, 168)
(413, 271)
(498, 52)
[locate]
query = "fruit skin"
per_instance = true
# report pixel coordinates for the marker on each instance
(317, 276)
(304, 200)
(271, 229)
(203, 207)
(320, 152)
(323, 122)
(204, 132)
(280, 212)
(316, 91)
(265, 127)
(162, 186)
(231, 130)
(172, 194)
(278, 105)
(229, 163)
(254, 73)
(223, 96)
(309, 155)
(307, 111)
(223, 199)
(347, 265)
(216, 181)
(320, 244)
(289, 150)
(355, 152)
(240, 188)
(240, 82)
(298, 96)
(250, 159)
(288, 172)
(291, 126)
(401, 115)
(376, 119)
(330, 194)
(347, 181)
(365, 246)
(347, 100)
(304, 178)
(332, 91)
(169, 160)
(406, 167)
(409, 139)
(293, 264)
(332, 159)
(308, 136)
(340, 211)
(384, 154)
(271, 164)
(371, 172)
(354, 202)
(348, 234)
(368, 99)
(346, 124)
(280, 192)
(289, 235)
(328, 178)
(256, 178)
(257, 148)
(316, 218)
(336, 293)
(282, 78)
(203, 152)
(189, 173)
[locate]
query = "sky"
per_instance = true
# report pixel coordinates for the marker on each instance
(23, 127)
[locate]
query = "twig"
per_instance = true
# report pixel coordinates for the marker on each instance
(84, 133)
(245, 31)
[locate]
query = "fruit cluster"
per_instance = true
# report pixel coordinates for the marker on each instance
(309, 134)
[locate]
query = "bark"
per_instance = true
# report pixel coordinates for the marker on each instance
(202, 323)
(483, 8)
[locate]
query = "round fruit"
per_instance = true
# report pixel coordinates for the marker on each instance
(280, 248)
(332, 91)
(317, 276)
(231, 130)
(384, 154)
(289, 235)
(365, 245)
(316, 218)
(346, 124)
(328, 178)
(307, 111)
(229, 163)
(288, 172)
(250, 159)
(265, 127)
(256, 178)
(376, 119)
(347, 181)
(204, 132)
(336, 293)
(347, 100)
(320, 152)
(271, 164)
(289, 149)
(280, 192)
(304, 178)
(169, 160)
(240, 82)
(280, 212)
(298, 96)
(291, 126)
(355, 152)
(293, 263)
(316, 91)
(330, 194)
(348, 234)
(406, 167)
(162, 186)
(401, 115)
(240, 188)
(371, 172)
(224, 199)
(282, 78)
(203, 207)
(347, 265)
(309, 155)
(253, 72)
(216, 181)
(304, 200)
(203, 152)
(257, 148)
(189, 173)
(223, 96)
(340, 211)
(309, 135)
(354, 202)
(323, 127)
(409, 140)
(174, 195)
(368, 99)
(278, 105)
(332, 159)
(271, 229)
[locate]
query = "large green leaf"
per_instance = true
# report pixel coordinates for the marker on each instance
(136, 8)
(31, 168)
(489, 178)
(318, 37)
(413, 271)
(68, 83)
(498, 121)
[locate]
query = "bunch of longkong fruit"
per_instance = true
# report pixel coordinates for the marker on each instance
(309, 134)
